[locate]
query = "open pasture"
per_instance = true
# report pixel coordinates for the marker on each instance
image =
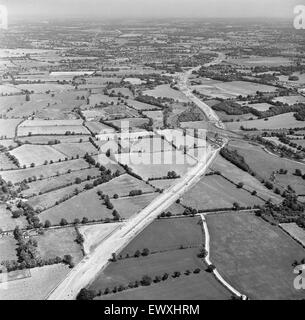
(253, 256)
(122, 186)
(74, 209)
(165, 91)
(213, 192)
(171, 234)
(46, 171)
(74, 149)
(157, 164)
(129, 206)
(46, 185)
(8, 127)
(36, 154)
(58, 243)
(282, 121)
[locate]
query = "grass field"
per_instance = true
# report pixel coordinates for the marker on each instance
(58, 243)
(194, 287)
(282, 121)
(36, 287)
(171, 234)
(44, 171)
(98, 128)
(45, 185)
(157, 164)
(214, 192)
(7, 222)
(8, 127)
(37, 154)
(141, 106)
(74, 208)
(264, 164)
(49, 199)
(74, 149)
(253, 61)
(132, 269)
(123, 185)
(230, 171)
(6, 163)
(290, 99)
(157, 117)
(133, 122)
(130, 206)
(8, 246)
(295, 231)
(146, 145)
(46, 139)
(165, 91)
(253, 256)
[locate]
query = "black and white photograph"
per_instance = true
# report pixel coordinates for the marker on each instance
(152, 151)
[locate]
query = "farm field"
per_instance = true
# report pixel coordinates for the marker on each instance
(290, 99)
(263, 163)
(98, 128)
(62, 243)
(295, 231)
(49, 199)
(165, 91)
(6, 163)
(7, 223)
(122, 186)
(297, 183)
(129, 206)
(46, 171)
(194, 287)
(8, 246)
(299, 142)
(253, 256)
(230, 171)
(75, 149)
(282, 121)
(157, 164)
(260, 106)
(156, 116)
(133, 122)
(171, 234)
(74, 209)
(102, 159)
(132, 269)
(253, 61)
(36, 286)
(146, 145)
(51, 127)
(214, 192)
(45, 139)
(44, 87)
(37, 154)
(8, 127)
(45, 185)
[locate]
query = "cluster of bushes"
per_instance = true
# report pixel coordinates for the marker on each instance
(235, 158)
(133, 193)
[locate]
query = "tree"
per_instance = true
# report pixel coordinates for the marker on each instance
(145, 252)
(146, 281)
(86, 294)
(211, 268)
(68, 259)
(63, 222)
(85, 220)
(298, 172)
(137, 254)
(47, 224)
(240, 185)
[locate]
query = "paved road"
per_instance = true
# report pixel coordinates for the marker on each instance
(86, 271)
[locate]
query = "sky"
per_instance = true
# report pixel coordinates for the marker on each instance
(151, 8)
